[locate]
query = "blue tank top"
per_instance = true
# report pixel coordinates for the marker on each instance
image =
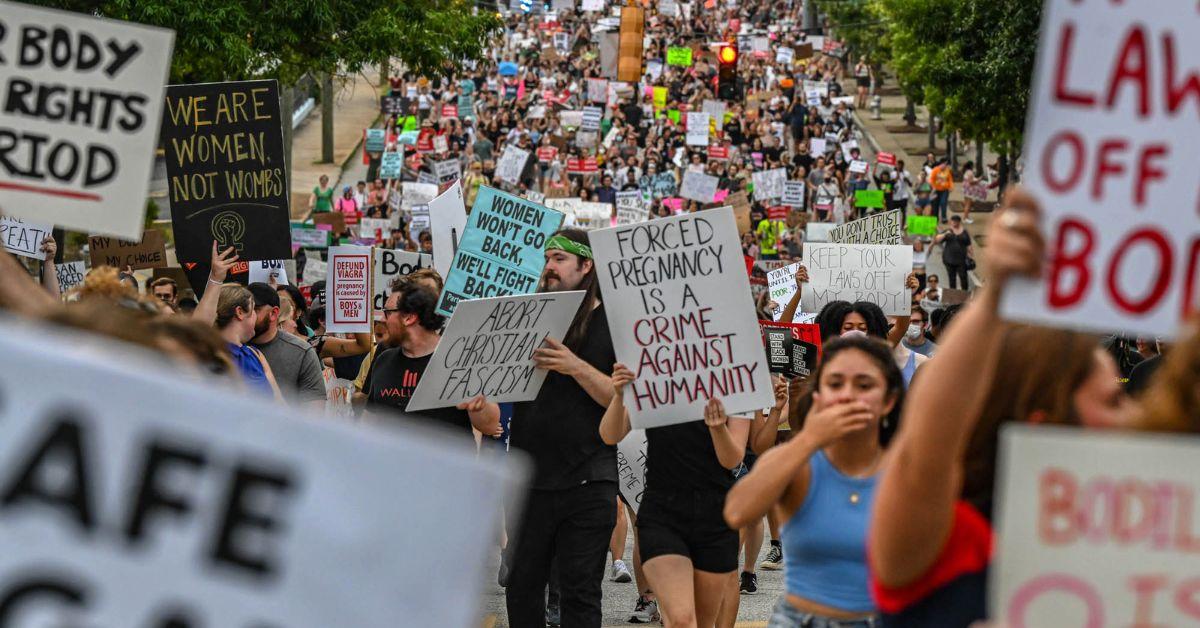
(250, 367)
(910, 368)
(825, 542)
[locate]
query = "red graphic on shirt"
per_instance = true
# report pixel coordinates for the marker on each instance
(408, 383)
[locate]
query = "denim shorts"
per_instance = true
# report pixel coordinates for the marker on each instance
(787, 616)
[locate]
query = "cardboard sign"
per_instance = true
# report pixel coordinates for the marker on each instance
(680, 56)
(447, 222)
(391, 164)
(511, 165)
(698, 186)
(24, 238)
(390, 264)
(150, 252)
(591, 119)
(69, 274)
(487, 349)
(768, 184)
(631, 208)
(336, 221)
(501, 249)
(878, 228)
(661, 281)
(1094, 528)
(225, 170)
(263, 271)
(1112, 129)
(631, 467)
(220, 509)
(348, 290)
(858, 272)
(83, 100)
(697, 128)
(793, 193)
(922, 225)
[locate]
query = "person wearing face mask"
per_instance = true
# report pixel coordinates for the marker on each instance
(823, 482)
(914, 339)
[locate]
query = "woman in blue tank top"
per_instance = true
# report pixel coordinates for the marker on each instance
(824, 482)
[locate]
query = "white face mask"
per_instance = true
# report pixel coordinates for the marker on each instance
(914, 332)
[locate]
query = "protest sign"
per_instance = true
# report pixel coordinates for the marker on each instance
(500, 252)
(150, 252)
(308, 237)
(716, 110)
(24, 238)
(768, 184)
(818, 231)
(793, 349)
(441, 144)
(511, 165)
(1112, 129)
(718, 153)
(391, 164)
(585, 165)
(858, 166)
(390, 264)
(1095, 528)
(447, 222)
(784, 55)
(546, 154)
(334, 221)
(218, 508)
(391, 105)
(793, 193)
(339, 393)
(376, 140)
(263, 271)
(315, 270)
(225, 170)
(447, 170)
(857, 272)
(872, 199)
(592, 5)
(591, 119)
(631, 468)
(374, 228)
(631, 208)
(70, 274)
(660, 281)
(782, 286)
(922, 225)
(698, 186)
(697, 128)
(680, 56)
(597, 90)
(413, 194)
(348, 290)
(487, 349)
(878, 228)
(83, 99)
(816, 146)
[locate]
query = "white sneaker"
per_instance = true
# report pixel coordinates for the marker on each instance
(620, 573)
(969, 221)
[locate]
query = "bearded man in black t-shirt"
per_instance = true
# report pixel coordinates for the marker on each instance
(571, 510)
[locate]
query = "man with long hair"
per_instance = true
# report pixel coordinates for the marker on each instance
(571, 509)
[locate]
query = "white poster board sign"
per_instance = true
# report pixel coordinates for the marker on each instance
(782, 286)
(631, 468)
(315, 270)
(768, 184)
(859, 166)
(675, 271)
(390, 264)
(348, 290)
(878, 228)
(80, 167)
(697, 128)
(487, 349)
(858, 272)
(793, 193)
(818, 231)
(715, 109)
(631, 208)
(447, 221)
(512, 163)
(816, 146)
(591, 119)
(698, 186)
(1095, 528)
(1112, 144)
(413, 194)
(22, 237)
(262, 271)
(70, 274)
(222, 508)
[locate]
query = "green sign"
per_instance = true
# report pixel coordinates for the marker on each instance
(679, 56)
(868, 198)
(673, 114)
(922, 225)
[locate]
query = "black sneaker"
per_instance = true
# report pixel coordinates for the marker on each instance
(773, 560)
(749, 583)
(553, 616)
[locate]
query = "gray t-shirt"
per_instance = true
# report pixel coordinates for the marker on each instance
(927, 348)
(296, 366)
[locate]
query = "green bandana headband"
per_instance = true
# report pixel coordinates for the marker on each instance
(563, 243)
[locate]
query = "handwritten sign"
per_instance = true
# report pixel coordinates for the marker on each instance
(631, 467)
(390, 264)
(768, 184)
(225, 170)
(878, 228)
(264, 271)
(308, 237)
(591, 119)
(511, 165)
(1095, 528)
(487, 349)
(391, 164)
(661, 282)
(698, 186)
(501, 251)
(858, 272)
(23, 238)
(782, 286)
(793, 193)
(1112, 131)
(348, 289)
(83, 100)
(70, 274)
(697, 128)
(922, 225)
(150, 252)
(869, 198)
(631, 208)
(680, 56)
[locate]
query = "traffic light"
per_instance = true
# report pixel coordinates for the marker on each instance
(727, 77)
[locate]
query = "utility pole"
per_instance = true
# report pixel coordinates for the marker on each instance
(327, 117)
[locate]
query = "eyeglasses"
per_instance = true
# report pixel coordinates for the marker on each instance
(389, 310)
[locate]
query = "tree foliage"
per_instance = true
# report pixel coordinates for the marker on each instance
(860, 25)
(970, 62)
(217, 40)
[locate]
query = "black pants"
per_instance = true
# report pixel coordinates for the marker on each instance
(956, 271)
(573, 527)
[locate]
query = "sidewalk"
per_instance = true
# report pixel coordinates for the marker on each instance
(356, 107)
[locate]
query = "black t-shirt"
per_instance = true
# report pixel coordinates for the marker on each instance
(561, 428)
(683, 457)
(390, 384)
